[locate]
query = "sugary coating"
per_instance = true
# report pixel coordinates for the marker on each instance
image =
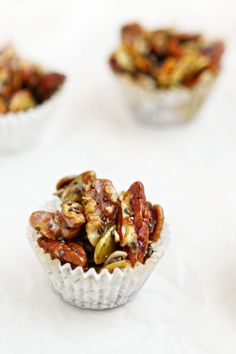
(96, 226)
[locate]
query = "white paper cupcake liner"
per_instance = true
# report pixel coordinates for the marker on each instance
(174, 105)
(89, 289)
(23, 129)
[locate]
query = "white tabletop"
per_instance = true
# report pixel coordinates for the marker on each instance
(188, 306)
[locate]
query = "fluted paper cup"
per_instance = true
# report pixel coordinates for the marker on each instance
(92, 290)
(174, 105)
(23, 129)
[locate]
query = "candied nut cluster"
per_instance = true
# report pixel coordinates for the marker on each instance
(23, 84)
(165, 58)
(97, 227)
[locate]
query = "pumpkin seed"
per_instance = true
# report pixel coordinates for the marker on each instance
(105, 246)
(119, 264)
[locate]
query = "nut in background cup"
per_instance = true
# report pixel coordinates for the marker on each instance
(91, 290)
(23, 129)
(174, 105)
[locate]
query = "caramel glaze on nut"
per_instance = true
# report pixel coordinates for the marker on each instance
(101, 208)
(159, 218)
(138, 216)
(96, 227)
(65, 224)
(70, 252)
(73, 188)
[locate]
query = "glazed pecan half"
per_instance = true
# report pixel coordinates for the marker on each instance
(134, 223)
(65, 224)
(156, 221)
(70, 252)
(73, 188)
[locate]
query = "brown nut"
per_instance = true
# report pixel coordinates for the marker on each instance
(159, 222)
(46, 223)
(71, 252)
(214, 52)
(133, 223)
(158, 41)
(3, 106)
(48, 85)
(131, 32)
(152, 221)
(75, 190)
(187, 37)
(72, 213)
(126, 226)
(4, 74)
(63, 182)
(55, 225)
(7, 54)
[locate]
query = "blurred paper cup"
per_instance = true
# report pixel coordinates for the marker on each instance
(175, 105)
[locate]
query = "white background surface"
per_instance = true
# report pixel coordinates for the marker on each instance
(188, 306)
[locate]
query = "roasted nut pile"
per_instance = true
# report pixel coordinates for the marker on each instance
(23, 84)
(97, 227)
(165, 58)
